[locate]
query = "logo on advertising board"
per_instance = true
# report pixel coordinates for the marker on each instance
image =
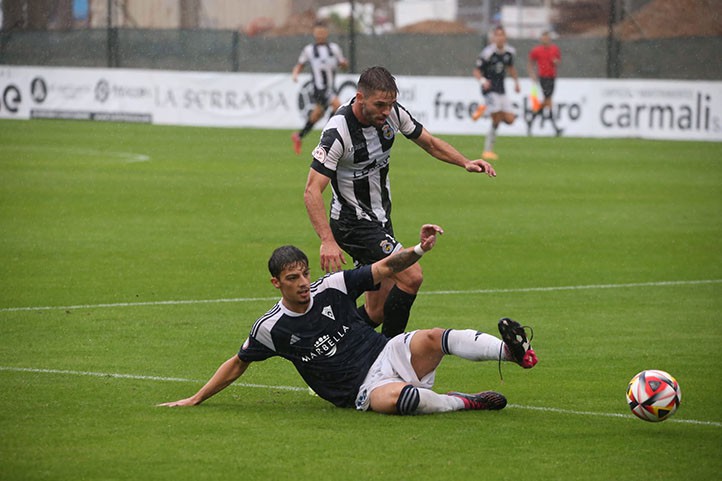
(104, 91)
(38, 90)
(659, 108)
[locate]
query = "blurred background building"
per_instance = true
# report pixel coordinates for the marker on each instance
(599, 38)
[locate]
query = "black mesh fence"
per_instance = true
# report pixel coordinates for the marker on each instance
(405, 54)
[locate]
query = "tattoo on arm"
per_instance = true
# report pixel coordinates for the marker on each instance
(401, 260)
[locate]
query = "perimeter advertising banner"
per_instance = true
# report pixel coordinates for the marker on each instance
(655, 109)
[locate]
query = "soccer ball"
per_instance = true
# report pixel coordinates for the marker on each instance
(653, 395)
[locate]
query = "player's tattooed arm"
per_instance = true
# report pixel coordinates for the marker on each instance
(401, 260)
(407, 257)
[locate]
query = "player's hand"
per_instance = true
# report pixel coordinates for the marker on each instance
(182, 402)
(481, 165)
(332, 258)
(428, 236)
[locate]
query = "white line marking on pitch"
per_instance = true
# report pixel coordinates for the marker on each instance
(139, 377)
(295, 388)
(431, 293)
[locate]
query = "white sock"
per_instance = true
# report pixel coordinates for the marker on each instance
(490, 139)
(431, 402)
(472, 345)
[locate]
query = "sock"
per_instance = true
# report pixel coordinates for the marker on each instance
(408, 400)
(551, 118)
(473, 345)
(414, 400)
(306, 129)
(365, 316)
(397, 309)
(490, 139)
(431, 402)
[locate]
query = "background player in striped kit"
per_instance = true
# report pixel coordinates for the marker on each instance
(353, 156)
(324, 59)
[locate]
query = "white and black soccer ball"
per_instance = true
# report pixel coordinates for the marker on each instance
(653, 395)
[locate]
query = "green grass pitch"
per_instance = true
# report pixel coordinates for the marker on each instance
(610, 249)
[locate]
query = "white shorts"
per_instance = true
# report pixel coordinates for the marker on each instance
(496, 102)
(392, 365)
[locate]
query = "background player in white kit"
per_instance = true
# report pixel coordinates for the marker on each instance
(324, 59)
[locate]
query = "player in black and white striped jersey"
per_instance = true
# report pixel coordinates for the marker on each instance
(353, 156)
(324, 59)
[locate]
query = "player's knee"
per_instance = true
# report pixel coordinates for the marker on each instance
(428, 340)
(411, 281)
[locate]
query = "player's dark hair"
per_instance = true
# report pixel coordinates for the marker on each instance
(320, 23)
(377, 79)
(285, 256)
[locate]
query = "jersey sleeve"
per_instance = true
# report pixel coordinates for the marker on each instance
(329, 150)
(358, 281)
(303, 57)
(252, 350)
(407, 123)
(338, 52)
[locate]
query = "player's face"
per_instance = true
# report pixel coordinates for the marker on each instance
(320, 34)
(375, 107)
(499, 38)
(294, 282)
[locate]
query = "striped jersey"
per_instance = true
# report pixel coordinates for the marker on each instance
(330, 345)
(356, 159)
(492, 63)
(324, 60)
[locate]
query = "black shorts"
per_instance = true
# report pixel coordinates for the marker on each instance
(365, 241)
(322, 97)
(547, 86)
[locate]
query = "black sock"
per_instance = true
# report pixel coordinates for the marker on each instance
(306, 129)
(397, 309)
(365, 316)
(551, 118)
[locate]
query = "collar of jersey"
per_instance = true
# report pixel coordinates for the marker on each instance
(291, 313)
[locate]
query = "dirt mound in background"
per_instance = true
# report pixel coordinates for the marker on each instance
(669, 18)
(437, 27)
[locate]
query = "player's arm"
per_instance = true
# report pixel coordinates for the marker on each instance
(479, 76)
(332, 257)
(392, 264)
(445, 152)
(228, 372)
(296, 70)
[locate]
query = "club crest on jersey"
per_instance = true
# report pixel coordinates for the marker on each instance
(386, 246)
(319, 154)
(387, 132)
(326, 311)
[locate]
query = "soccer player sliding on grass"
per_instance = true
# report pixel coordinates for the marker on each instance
(317, 327)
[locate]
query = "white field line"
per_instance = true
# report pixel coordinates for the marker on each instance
(138, 377)
(304, 389)
(430, 293)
